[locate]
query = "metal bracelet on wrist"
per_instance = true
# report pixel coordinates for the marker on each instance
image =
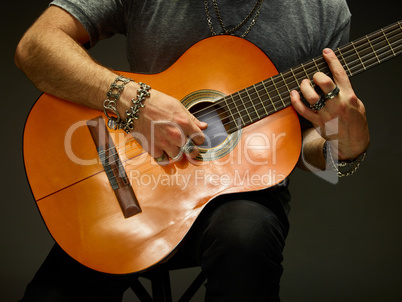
(112, 97)
(343, 168)
(132, 113)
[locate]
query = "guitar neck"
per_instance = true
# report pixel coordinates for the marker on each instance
(271, 95)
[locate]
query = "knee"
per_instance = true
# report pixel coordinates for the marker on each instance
(247, 230)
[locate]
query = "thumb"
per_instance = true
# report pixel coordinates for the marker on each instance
(201, 125)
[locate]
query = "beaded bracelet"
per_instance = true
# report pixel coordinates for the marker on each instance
(343, 168)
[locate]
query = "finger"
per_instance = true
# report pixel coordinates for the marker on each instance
(190, 149)
(338, 72)
(159, 156)
(200, 124)
(309, 92)
(175, 154)
(324, 82)
(302, 109)
(168, 136)
(162, 160)
(195, 133)
(193, 153)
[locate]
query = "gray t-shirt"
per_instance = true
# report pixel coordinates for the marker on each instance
(158, 32)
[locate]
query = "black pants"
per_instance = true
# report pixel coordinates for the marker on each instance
(238, 241)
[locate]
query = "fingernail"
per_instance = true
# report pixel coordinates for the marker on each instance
(327, 51)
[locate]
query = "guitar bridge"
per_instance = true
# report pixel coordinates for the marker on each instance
(113, 167)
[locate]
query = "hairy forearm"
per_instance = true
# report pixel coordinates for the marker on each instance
(51, 55)
(60, 66)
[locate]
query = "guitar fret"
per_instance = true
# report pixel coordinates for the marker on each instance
(393, 39)
(345, 66)
(277, 90)
(230, 110)
(389, 44)
(269, 96)
(364, 55)
(291, 84)
(275, 94)
(374, 52)
(231, 105)
(294, 76)
(255, 111)
(244, 109)
(284, 81)
(358, 56)
(315, 64)
(260, 99)
(239, 118)
(305, 71)
(371, 57)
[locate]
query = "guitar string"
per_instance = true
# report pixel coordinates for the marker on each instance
(366, 45)
(291, 74)
(350, 66)
(279, 97)
(147, 167)
(345, 55)
(140, 169)
(287, 75)
(353, 64)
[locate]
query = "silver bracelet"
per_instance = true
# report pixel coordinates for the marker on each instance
(343, 168)
(138, 102)
(115, 121)
(112, 97)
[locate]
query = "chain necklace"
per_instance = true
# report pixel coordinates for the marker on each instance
(256, 9)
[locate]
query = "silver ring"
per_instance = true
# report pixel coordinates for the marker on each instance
(332, 94)
(319, 104)
(177, 156)
(323, 99)
(160, 158)
(188, 147)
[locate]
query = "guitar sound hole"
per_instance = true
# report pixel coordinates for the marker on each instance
(218, 123)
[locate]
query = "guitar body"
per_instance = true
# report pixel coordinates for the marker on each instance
(74, 194)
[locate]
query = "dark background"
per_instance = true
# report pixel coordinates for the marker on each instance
(345, 240)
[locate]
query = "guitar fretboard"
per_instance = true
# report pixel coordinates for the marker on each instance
(271, 95)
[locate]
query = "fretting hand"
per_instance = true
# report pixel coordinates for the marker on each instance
(341, 118)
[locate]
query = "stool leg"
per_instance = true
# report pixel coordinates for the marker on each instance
(160, 281)
(193, 287)
(140, 291)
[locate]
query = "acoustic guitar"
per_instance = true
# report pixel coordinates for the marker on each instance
(111, 207)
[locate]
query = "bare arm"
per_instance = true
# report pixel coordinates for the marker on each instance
(312, 151)
(51, 55)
